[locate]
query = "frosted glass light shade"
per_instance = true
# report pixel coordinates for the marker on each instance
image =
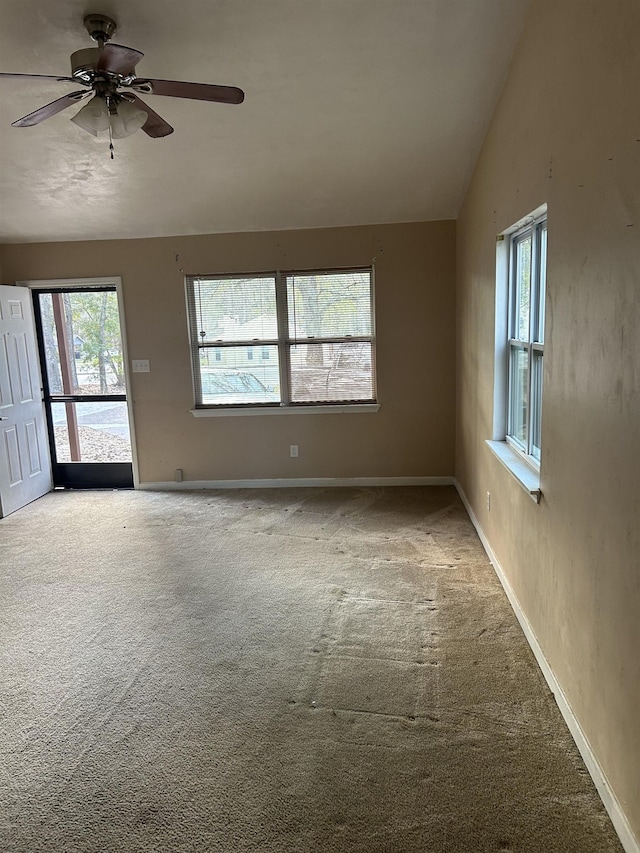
(127, 120)
(93, 117)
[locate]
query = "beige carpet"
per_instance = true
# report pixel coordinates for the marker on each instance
(276, 672)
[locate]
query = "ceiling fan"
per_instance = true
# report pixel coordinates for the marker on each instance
(108, 73)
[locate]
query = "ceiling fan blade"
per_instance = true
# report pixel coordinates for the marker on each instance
(196, 91)
(41, 77)
(51, 109)
(155, 125)
(117, 59)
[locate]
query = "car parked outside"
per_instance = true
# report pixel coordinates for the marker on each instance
(228, 387)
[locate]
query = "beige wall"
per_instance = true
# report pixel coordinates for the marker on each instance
(567, 132)
(411, 435)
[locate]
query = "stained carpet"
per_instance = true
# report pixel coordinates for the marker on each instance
(284, 671)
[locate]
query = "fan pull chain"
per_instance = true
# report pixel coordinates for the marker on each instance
(111, 149)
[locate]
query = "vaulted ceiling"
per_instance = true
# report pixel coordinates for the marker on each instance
(356, 111)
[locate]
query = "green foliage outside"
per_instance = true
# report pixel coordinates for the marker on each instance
(96, 321)
(92, 331)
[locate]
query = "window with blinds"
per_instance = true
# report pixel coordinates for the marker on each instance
(282, 339)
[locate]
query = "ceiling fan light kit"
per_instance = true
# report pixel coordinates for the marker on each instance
(93, 117)
(122, 118)
(126, 120)
(105, 71)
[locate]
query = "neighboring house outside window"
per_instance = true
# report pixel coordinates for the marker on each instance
(285, 339)
(525, 337)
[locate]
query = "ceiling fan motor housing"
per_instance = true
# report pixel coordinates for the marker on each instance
(83, 62)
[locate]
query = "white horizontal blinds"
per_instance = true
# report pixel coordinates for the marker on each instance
(329, 304)
(330, 336)
(234, 338)
(282, 338)
(235, 309)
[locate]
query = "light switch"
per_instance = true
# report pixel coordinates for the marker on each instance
(141, 365)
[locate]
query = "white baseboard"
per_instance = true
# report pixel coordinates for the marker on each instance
(294, 482)
(620, 823)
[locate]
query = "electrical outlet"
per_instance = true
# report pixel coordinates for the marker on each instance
(293, 451)
(488, 501)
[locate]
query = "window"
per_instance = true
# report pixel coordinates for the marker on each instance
(288, 339)
(525, 337)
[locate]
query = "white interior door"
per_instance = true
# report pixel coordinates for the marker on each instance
(25, 468)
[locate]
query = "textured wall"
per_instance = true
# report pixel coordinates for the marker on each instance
(411, 435)
(567, 132)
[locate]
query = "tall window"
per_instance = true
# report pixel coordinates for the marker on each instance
(527, 286)
(282, 339)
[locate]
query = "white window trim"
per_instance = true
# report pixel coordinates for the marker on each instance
(517, 465)
(525, 468)
(251, 411)
(285, 407)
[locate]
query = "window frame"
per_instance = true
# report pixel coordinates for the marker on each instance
(533, 344)
(284, 343)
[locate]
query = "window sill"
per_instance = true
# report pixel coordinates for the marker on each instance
(355, 408)
(528, 477)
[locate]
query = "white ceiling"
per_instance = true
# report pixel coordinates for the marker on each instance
(356, 112)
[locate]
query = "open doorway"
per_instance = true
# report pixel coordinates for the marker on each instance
(80, 341)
